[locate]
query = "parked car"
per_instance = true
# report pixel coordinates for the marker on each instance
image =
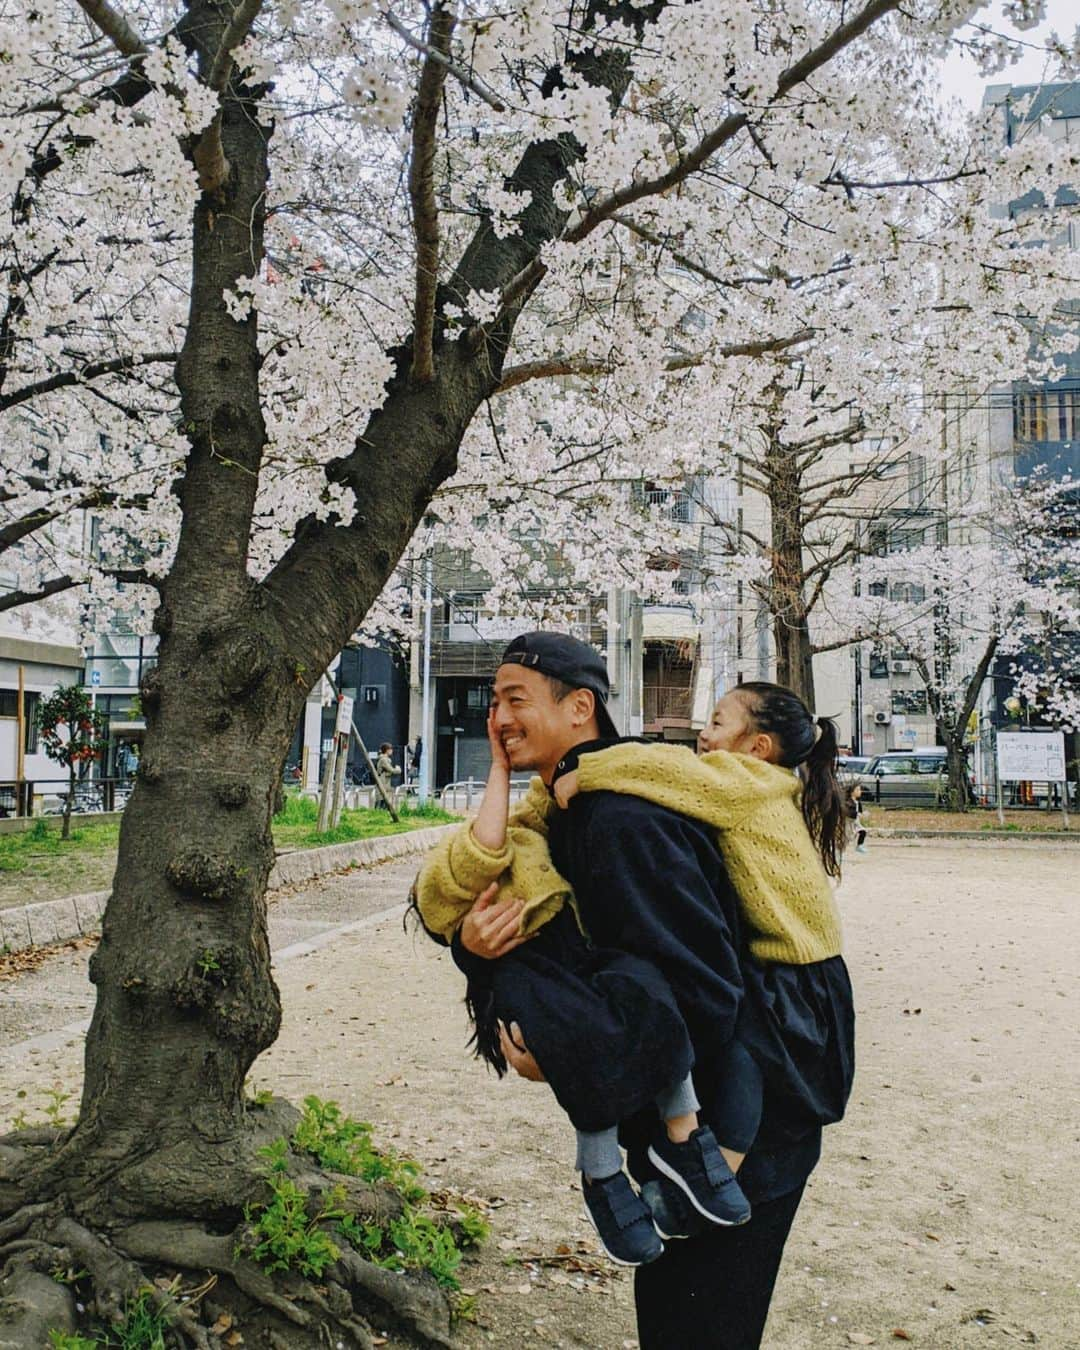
(850, 766)
(905, 777)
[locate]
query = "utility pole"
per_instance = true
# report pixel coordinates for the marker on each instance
(424, 783)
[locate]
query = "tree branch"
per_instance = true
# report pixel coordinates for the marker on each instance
(208, 154)
(651, 237)
(425, 212)
(115, 27)
(530, 276)
(236, 31)
(15, 598)
(452, 68)
(560, 366)
(65, 378)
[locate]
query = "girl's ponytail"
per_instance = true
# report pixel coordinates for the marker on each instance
(823, 797)
(812, 747)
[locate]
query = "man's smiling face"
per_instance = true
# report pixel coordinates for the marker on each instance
(536, 728)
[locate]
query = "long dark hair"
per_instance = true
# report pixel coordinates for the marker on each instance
(812, 746)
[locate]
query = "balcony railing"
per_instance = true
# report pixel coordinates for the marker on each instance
(662, 701)
(671, 503)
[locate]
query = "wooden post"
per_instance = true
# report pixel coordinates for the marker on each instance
(1000, 801)
(386, 796)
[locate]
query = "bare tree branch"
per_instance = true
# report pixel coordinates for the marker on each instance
(452, 68)
(208, 155)
(651, 237)
(239, 26)
(63, 379)
(526, 281)
(13, 599)
(115, 26)
(559, 366)
(425, 212)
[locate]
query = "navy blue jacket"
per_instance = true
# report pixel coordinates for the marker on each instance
(651, 882)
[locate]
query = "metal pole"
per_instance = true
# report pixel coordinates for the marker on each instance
(326, 790)
(424, 784)
(20, 744)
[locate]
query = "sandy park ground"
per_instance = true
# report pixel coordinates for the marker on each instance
(943, 1212)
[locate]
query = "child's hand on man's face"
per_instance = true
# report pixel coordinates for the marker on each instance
(566, 787)
(498, 751)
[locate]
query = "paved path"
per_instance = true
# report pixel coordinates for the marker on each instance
(53, 1002)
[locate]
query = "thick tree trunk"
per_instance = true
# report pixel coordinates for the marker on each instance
(185, 999)
(787, 584)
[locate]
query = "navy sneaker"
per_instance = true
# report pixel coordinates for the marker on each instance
(700, 1172)
(674, 1215)
(622, 1220)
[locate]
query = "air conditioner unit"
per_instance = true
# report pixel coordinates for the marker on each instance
(882, 719)
(901, 667)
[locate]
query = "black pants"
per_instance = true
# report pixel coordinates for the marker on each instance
(713, 1292)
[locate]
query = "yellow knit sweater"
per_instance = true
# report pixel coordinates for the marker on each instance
(458, 868)
(784, 894)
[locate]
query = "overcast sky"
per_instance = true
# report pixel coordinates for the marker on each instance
(961, 80)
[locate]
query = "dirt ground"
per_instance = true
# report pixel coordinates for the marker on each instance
(943, 1212)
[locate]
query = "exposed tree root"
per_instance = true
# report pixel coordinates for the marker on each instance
(110, 1264)
(31, 1305)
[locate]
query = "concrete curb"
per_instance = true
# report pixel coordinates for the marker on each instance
(75, 916)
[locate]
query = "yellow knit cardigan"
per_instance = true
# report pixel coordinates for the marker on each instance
(785, 897)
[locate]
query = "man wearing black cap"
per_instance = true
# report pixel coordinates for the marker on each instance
(651, 883)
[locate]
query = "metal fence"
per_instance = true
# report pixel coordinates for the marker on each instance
(48, 796)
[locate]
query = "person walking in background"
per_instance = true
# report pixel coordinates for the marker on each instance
(385, 769)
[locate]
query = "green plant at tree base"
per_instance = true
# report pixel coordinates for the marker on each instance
(68, 1340)
(283, 1237)
(342, 1144)
(143, 1328)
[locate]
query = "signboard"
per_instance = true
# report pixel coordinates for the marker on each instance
(344, 715)
(908, 736)
(1031, 756)
(95, 677)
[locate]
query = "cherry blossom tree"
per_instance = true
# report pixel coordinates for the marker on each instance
(283, 281)
(1005, 587)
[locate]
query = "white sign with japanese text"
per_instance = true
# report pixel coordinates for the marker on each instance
(1031, 756)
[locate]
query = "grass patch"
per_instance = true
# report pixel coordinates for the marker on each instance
(978, 820)
(37, 865)
(296, 825)
(41, 843)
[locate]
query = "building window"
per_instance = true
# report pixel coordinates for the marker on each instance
(1046, 414)
(9, 707)
(911, 701)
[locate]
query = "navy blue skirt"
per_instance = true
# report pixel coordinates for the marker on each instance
(798, 1024)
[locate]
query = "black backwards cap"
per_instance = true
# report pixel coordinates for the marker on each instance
(565, 658)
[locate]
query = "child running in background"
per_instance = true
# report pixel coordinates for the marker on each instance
(780, 834)
(857, 816)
